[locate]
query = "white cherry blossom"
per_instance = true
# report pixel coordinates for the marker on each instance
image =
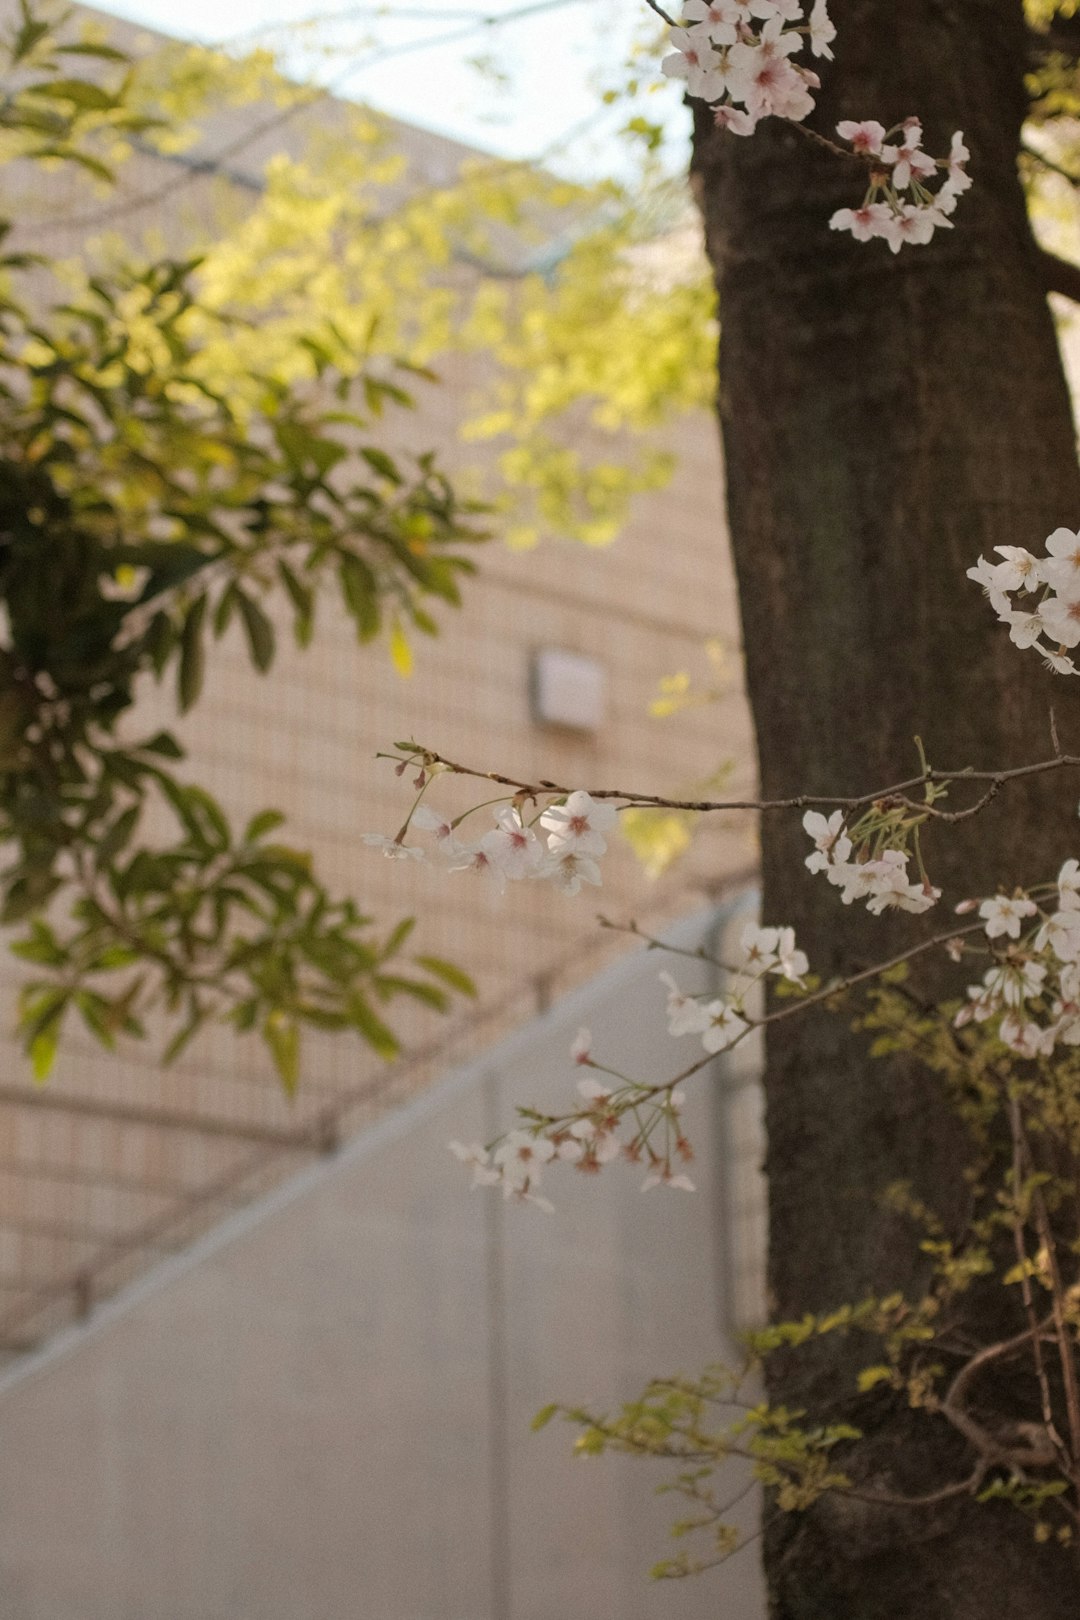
(662, 1176)
(711, 20)
(1003, 914)
(1061, 619)
(831, 844)
(958, 178)
(391, 848)
(1068, 882)
(822, 31)
(864, 223)
(520, 1157)
(569, 871)
(988, 575)
(512, 848)
(758, 946)
(578, 826)
(441, 827)
(1025, 628)
(734, 119)
(865, 136)
(914, 223)
(1061, 568)
(581, 1050)
(725, 1027)
(1026, 1040)
(1060, 933)
(695, 61)
(791, 964)
(1019, 570)
(475, 858)
(686, 1015)
(472, 1153)
(1013, 981)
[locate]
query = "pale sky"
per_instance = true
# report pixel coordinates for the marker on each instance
(411, 58)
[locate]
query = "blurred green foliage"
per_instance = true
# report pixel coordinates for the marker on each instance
(141, 513)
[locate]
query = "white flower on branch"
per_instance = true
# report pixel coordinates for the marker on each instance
(472, 1153)
(663, 1176)
(512, 848)
(1069, 886)
(581, 1049)
(685, 1014)
(831, 844)
(392, 848)
(577, 827)
(1004, 913)
(569, 871)
(725, 1027)
(1061, 933)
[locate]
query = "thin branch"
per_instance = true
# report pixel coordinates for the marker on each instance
(894, 796)
(835, 987)
(1017, 1134)
(962, 1487)
(1059, 276)
(660, 12)
(1066, 1353)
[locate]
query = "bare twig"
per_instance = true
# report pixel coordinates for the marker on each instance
(896, 795)
(962, 1487)
(1017, 1132)
(660, 12)
(1066, 1352)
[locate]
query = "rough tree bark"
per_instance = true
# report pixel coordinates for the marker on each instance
(885, 421)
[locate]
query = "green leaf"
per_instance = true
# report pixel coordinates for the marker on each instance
(360, 590)
(451, 975)
(392, 985)
(260, 632)
(42, 946)
(544, 1417)
(265, 822)
(117, 837)
(400, 652)
(184, 1034)
(224, 611)
(382, 464)
(43, 1050)
(80, 92)
(371, 1028)
(71, 154)
(303, 601)
(283, 1038)
(871, 1376)
(397, 938)
(192, 655)
(164, 744)
(106, 53)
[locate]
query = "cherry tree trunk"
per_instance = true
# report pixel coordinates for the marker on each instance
(886, 420)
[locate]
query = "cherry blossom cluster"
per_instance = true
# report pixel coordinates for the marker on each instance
(721, 1021)
(1049, 620)
(575, 827)
(1031, 989)
(899, 205)
(736, 55)
(869, 862)
(627, 1120)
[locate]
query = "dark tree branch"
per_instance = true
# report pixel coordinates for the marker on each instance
(1059, 276)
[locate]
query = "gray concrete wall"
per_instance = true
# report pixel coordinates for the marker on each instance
(323, 1412)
